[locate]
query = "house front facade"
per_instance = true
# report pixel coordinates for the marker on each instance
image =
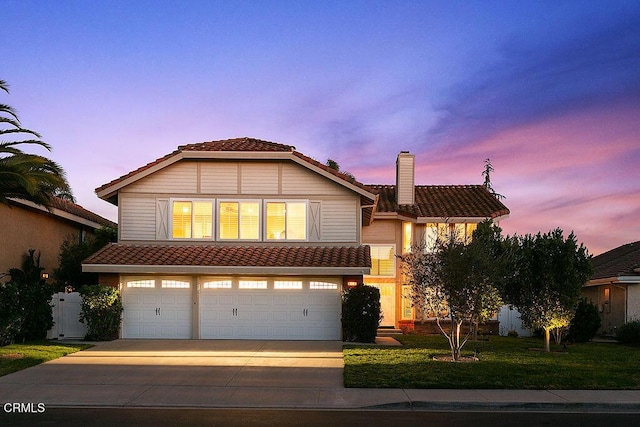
(235, 239)
(615, 287)
(248, 239)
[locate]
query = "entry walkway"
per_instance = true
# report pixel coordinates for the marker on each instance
(255, 374)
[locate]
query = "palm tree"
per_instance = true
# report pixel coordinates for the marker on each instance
(22, 175)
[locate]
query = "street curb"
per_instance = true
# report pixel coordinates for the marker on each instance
(512, 407)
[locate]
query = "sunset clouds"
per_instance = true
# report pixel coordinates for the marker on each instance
(549, 91)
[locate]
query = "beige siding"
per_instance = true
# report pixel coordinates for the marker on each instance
(179, 178)
(219, 178)
(633, 310)
(381, 231)
(298, 180)
(137, 218)
(339, 220)
(259, 178)
(405, 179)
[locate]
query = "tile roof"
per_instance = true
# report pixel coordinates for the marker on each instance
(621, 261)
(231, 256)
(443, 201)
(74, 209)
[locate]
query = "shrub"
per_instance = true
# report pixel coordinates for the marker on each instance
(361, 314)
(629, 333)
(10, 313)
(585, 322)
(26, 303)
(101, 311)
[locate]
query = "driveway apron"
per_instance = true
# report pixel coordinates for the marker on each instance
(215, 373)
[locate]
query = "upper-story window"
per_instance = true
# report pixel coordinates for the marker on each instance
(383, 260)
(286, 221)
(192, 219)
(434, 232)
(239, 220)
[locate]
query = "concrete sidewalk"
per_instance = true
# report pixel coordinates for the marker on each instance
(257, 374)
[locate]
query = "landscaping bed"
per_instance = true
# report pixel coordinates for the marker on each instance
(16, 357)
(504, 363)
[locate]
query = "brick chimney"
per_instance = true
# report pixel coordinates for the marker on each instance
(405, 179)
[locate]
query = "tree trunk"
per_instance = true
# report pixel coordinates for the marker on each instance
(547, 339)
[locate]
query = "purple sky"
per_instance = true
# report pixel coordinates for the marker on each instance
(550, 91)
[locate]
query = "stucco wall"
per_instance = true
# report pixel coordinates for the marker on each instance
(23, 228)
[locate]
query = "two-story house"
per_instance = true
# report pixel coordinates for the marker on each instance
(239, 238)
(248, 239)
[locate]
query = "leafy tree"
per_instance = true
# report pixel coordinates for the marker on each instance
(546, 275)
(27, 176)
(332, 164)
(455, 284)
(72, 253)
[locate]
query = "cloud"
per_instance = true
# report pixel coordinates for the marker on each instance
(537, 80)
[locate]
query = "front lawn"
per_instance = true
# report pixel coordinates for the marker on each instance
(505, 363)
(16, 357)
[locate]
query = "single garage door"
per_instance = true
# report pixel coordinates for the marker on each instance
(287, 309)
(157, 308)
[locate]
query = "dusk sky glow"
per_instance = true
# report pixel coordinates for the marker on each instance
(549, 90)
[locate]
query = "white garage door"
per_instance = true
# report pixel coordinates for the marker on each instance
(270, 309)
(157, 308)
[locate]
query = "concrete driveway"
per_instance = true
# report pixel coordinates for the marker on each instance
(183, 373)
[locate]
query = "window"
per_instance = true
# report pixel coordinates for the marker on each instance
(383, 260)
(239, 220)
(141, 284)
(406, 302)
(192, 219)
(284, 284)
(286, 221)
(217, 284)
(323, 285)
(176, 284)
(407, 236)
(252, 284)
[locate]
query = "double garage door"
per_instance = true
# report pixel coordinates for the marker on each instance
(232, 308)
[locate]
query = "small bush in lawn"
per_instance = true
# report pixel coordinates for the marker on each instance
(361, 314)
(585, 322)
(101, 311)
(629, 333)
(10, 313)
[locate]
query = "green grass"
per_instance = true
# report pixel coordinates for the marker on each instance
(16, 357)
(505, 363)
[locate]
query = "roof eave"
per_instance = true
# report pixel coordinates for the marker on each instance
(218, 270)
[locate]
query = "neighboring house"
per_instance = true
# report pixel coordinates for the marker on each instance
(251, 239)
(26, 225)
(615, 286)
(410, 215)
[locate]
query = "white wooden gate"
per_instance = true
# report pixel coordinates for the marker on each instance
(65, 309)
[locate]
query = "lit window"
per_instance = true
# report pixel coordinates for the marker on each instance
(383, 260)
(406, 302)
(430, 237)
(141, 284)
(283, 284)
(286, 221)
(407, 236)
(252, 284)
(471, 227)
(239, 220)
(323, 285)
(217, 284)
(176, 284)
(192, 220)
